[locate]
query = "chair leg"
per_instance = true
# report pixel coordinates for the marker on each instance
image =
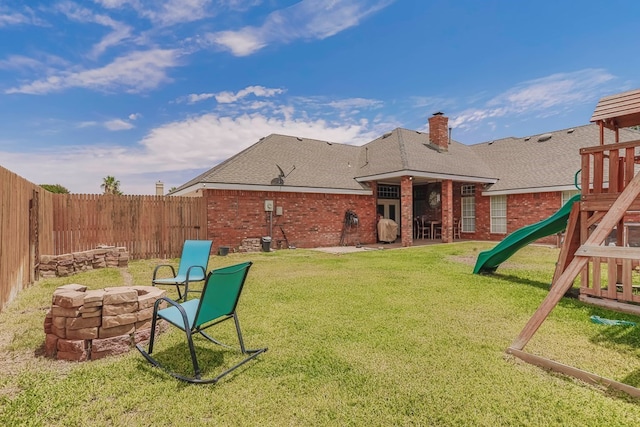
(152, 337)
(154, 323)
(253, 353)
(197, 378)
(237, 323)
(192, 350)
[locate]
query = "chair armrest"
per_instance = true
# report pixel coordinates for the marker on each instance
(155, 270)
(204, 272)
(186, 281)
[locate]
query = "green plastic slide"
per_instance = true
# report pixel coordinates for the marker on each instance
(488, 261)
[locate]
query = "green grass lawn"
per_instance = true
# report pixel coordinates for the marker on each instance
(374, 338)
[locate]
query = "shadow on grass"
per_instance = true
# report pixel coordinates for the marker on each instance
(570, 297)
(177, 359)
(626, 336)
(519, 280)
(633, 379)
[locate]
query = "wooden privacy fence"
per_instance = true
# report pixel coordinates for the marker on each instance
(25, 232)
(148, 226)
(35, 222)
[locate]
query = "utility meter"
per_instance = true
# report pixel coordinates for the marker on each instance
(268, 205)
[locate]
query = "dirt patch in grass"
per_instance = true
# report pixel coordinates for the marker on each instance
(471, 260)
(462, 259)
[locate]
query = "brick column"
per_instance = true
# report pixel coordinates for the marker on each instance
(447, 211)
(406, 210)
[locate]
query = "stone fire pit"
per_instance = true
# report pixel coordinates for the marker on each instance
(90, 324)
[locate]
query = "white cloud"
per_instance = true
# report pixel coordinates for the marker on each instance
(118, 124)
(114, 4)
(239, 5)
(86, 124)
(20, 62)
(165, 13)
(180, 11)
(205, 140)
(135, 72)
(120, 32)
(195, 144)
(134, 116)
(557, 89)
(305, 20)
(540, 97)
(241, 43)
(197, 97)
(7, 19)
(230, 97)
(353, 103)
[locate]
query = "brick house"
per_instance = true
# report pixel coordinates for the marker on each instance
(300, 189)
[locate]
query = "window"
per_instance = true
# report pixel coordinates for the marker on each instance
(469, 212)
(468, 190)
(566, 195)
(388, 192)
(499, 214)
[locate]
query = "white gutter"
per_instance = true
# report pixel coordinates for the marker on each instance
(530, 190)
(429, 175)
(277, 188)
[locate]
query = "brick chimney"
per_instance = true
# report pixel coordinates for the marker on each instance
(439, 131)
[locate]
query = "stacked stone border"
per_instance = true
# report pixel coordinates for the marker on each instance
(68, 264)
(252, 244)
(91, 324)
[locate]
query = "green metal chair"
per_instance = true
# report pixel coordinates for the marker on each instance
(192, 268)
(217, 303)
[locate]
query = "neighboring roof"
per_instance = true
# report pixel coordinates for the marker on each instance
(546, 162)
(618, 111)
(542, 161)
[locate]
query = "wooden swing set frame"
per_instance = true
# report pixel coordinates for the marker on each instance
(610, 189)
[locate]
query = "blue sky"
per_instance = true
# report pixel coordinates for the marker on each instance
(152, 91)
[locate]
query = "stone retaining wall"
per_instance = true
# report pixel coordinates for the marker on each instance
(90, 324)
(69, 264)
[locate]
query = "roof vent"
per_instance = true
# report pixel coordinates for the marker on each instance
(545, 137)
(527, 138)
(491, 142)
(386, 135)
(298, 138)
(571, 130)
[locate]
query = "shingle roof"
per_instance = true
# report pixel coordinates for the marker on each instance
(305, 162)
(538, 161)
(518, 164)
(409, 150)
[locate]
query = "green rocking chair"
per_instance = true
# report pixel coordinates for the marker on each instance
(217, 303)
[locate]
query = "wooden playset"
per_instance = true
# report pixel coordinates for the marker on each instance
(596, 248)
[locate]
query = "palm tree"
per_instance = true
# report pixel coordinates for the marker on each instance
(110, 185)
